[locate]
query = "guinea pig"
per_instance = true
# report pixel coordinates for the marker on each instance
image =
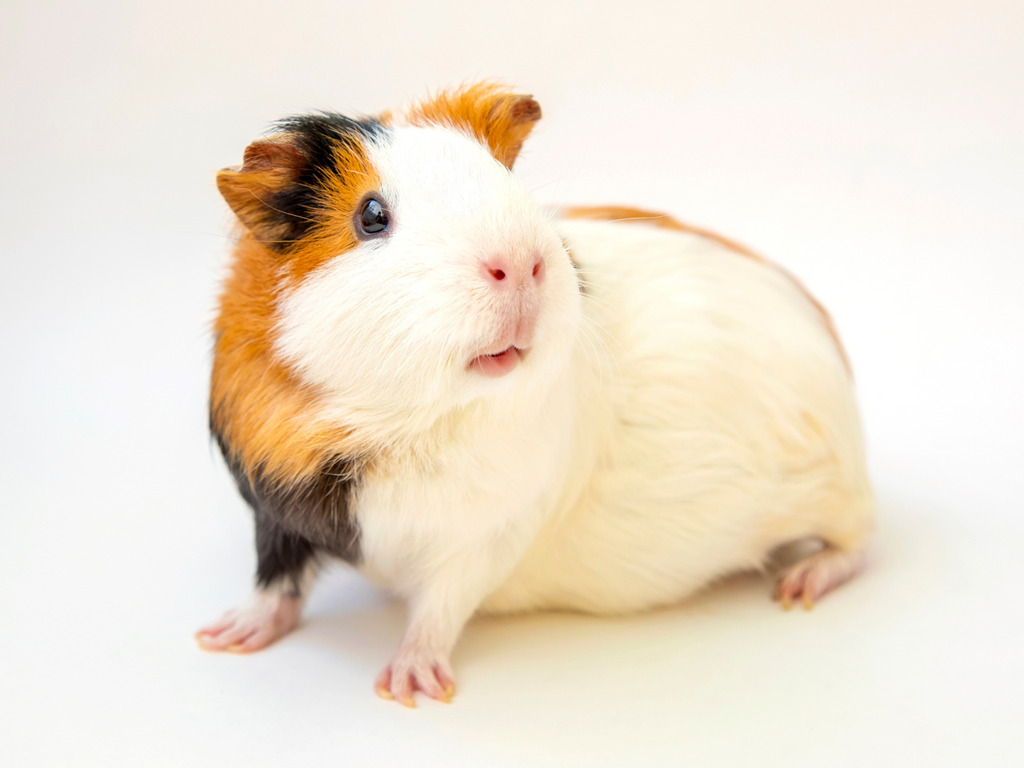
(486, 406)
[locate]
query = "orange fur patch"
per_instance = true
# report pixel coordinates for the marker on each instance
(270, 165)
(261, 410)
(491, 113)
(258, 407)
(638, 216)
(336, 233)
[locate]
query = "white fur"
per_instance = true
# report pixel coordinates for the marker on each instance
(718, 423)
(389, 327)
(678, 421)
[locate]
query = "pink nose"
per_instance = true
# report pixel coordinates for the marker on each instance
(503, 275)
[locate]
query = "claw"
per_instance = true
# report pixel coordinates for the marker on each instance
(415, 669)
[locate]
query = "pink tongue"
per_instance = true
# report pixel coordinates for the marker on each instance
(496, 366)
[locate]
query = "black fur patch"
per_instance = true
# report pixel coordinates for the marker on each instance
(295, 523)
(295, 209)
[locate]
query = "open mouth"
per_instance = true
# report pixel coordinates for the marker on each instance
(500, 363)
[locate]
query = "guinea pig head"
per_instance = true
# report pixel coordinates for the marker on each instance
(402, 266)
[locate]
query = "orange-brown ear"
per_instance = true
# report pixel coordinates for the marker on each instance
(496, 117)
(270, 168)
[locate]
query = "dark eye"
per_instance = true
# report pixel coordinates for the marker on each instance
(373, 219)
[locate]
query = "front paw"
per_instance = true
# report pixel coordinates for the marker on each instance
(416, 668)
(262, 619)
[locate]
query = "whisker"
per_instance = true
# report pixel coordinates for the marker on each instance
(286, 213)
(631, 218)
(239, 238)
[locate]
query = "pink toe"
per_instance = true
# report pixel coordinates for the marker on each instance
(383, 684)
(401, 687)
(214, 629)
(446, 682)
(427, 683)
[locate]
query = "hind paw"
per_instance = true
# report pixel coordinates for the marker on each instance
(815, 575)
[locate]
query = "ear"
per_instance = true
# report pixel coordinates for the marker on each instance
(270, 168)
(496, 117)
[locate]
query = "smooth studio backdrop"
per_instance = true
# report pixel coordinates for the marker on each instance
(876, 149)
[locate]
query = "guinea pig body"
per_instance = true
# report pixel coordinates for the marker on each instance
(719, 422)
(480, 407)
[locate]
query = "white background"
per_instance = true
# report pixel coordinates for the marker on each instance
(874, 148)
